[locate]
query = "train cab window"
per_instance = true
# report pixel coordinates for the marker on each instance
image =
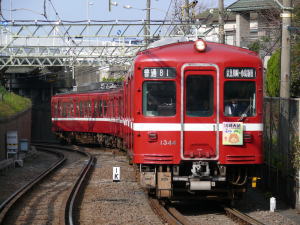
(239, 98)
(199, 96)
(159, 98)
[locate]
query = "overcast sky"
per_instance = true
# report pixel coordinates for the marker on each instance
(92, 9)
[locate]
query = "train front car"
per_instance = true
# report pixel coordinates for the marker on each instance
(197, 119)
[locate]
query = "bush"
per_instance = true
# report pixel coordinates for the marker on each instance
(273, 75)
(295, 70)
(112, 79)
(254, 46)
(296, 154)
(11, 103)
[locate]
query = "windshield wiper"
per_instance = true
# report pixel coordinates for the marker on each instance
(244, 114)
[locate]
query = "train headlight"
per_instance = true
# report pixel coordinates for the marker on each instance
(200, 45)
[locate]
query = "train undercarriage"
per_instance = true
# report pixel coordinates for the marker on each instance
(197, 179)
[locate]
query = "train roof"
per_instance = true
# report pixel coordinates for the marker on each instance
(96, 88)
(185, 52)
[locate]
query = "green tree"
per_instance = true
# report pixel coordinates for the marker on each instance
(295, 53)
(273, 75)
(254, 46)
(112, 79)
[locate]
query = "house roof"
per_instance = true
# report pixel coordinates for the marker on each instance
(212, 16)
(251, 5)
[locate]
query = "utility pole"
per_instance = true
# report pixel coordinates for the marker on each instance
(187, 10)
(285, 50)
(221, 22)
(284, 127)
(148, 18)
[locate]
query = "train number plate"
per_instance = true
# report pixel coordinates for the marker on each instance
(167, 142)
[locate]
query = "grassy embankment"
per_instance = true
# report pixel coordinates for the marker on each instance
(11, 103)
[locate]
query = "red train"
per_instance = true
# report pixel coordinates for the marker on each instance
(189, 115)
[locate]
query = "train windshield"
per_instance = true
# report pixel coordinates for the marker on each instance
(159, 98)
(239, 98)
(199, 96)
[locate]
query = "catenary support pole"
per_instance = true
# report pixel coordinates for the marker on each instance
(148, 18)
(284, 127)
(285, 51)
(221, 22)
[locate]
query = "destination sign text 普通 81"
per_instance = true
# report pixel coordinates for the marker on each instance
(159, 72)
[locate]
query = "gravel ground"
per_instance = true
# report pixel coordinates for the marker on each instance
(14, 178)
(256, 205)
(108, 202)
(45, 203)
(205, 213)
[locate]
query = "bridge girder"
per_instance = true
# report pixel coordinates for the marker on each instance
(81, 44)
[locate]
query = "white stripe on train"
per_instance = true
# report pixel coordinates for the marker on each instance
(166, 126)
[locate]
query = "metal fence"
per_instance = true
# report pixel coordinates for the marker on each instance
(279, 174)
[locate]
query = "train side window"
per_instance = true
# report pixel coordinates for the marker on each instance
(68, 109)
(59, 108)
(64, 109)
(104, 108)
(77, 109)
(80, 109)
(112, 108)
(71, 109)
(89, 109)
(120, 108)
(239, 98)
(96, 112)
(199, 96)
(100, 108)
(159, 98)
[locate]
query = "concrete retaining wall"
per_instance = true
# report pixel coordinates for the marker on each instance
(20, 122)
(41, 123)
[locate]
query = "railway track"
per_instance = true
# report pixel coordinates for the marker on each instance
(240, 217)
(172, 216)
(40, 198)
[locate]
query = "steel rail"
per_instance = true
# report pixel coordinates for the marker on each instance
(9, 202)
(162, 212)
(168, 214)
(181, 218)
(236, 215)
(78, 185)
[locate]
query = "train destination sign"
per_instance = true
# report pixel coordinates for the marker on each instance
(240, 73)
(159, 72)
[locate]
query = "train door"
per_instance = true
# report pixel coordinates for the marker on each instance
(199, 118)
